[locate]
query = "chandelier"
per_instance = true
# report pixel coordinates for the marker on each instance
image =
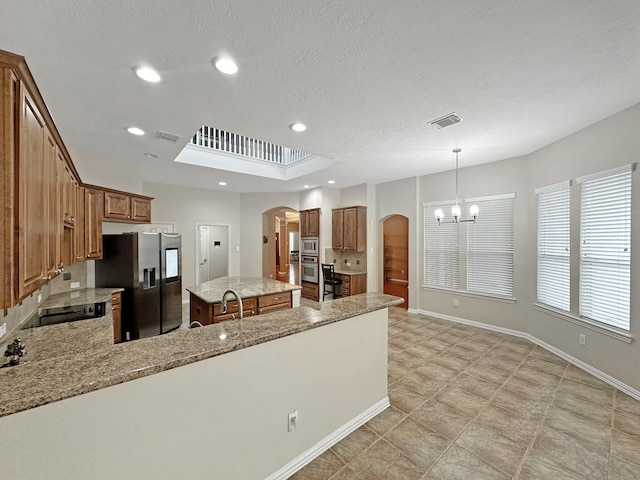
(455, 209)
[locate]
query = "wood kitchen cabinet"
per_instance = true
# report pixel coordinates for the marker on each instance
(209, 313)
(116, 314)
(31, 201)
(276, 301)
(79, 226)
(125, 207)
(310, 291)
(54, 223)
(94, 202)
(349, 228)
(353, 284)
(310, 223)
(49, 219)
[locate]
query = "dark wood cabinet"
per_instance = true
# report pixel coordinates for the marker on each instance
(353, 284)
(310, 223)
(125, 207)
(49, 218)
(349, 228)
(31, 201)
(93, 201)
(116, 313)
(276, 301)
(310, 291)
(54, 218)
(79, 226)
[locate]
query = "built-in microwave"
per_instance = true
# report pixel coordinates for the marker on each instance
(309, 246)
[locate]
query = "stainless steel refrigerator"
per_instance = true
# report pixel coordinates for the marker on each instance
(149, 268)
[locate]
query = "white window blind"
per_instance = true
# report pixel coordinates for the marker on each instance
(554, 230)
(490, 246)
(441, 251)
(605, 248)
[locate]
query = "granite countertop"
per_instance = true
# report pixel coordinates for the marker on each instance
(247, 287)
(348, 272)
(97, 363)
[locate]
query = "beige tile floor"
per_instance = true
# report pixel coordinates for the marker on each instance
(471, 404)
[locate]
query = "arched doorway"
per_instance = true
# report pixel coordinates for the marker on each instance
(395, 270)
(280, 235)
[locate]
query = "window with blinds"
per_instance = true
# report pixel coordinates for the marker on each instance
(441, 250)
(605, 247)
(490, 246)
(554, 232)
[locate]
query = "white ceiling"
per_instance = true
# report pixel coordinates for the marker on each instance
(366, 76)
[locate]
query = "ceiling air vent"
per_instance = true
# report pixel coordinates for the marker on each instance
(170, 137)
(446, 120)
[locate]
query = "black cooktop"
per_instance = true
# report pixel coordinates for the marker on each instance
(53, 316)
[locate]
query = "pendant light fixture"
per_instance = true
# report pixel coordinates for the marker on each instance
(455, 209)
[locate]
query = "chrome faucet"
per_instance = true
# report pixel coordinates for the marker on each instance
(223, 307)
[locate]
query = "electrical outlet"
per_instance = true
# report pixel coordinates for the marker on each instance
(3, 329)
(583, 339)
(293, 421)
(456, 303)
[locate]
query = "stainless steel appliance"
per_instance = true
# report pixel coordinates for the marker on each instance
(309, 246)
(53, 316)
(149, 268)
(309, 268)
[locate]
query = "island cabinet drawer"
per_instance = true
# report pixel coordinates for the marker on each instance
(248, 309)
(310, 291)
(276, 301)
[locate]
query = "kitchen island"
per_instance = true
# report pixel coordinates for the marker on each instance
(217, 395)
(259, 295)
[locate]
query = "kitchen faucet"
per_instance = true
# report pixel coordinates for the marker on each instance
(223, 307)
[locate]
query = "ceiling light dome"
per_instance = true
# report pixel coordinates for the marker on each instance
(225, 65)
(135, 131)
(148, 74)
(298, 127)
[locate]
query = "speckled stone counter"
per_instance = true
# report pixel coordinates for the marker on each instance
(82, 370)
(247, 287)
(348, 272)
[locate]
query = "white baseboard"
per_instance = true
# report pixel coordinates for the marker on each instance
(306, 457)
(632, 392)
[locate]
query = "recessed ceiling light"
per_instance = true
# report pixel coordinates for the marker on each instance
(222, 184)
(225, 65)
(305, 186)
(298, 127)
(148, 74)
(331, 182)
(150, 155)
(135, 131)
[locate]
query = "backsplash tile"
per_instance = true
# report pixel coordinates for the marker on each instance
(15, 315)
(341, 258)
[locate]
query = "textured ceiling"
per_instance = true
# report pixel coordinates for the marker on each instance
(366, 76)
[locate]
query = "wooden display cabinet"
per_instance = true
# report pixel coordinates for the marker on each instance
(349, 228)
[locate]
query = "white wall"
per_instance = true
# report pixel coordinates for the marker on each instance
(221, 418)
(400, 198)
(187, 206)
(610, 143)
(252, 206)
(607, 144)
(105, 173)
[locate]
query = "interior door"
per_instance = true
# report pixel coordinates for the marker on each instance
(212, 252)
(203, 257)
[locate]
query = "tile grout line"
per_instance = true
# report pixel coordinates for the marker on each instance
(540, 425)
(487, 403)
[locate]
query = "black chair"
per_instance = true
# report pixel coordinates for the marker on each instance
(329, 278)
